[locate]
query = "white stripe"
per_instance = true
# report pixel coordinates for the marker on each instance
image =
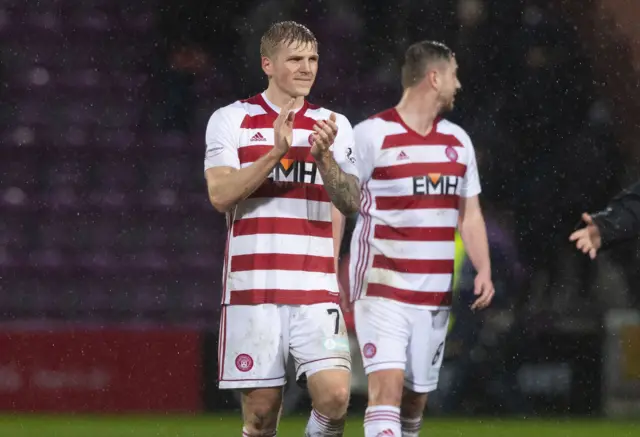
(418, 250)
(418, 282)
(300, 137)
(432, 218)
(383, 127)
(283, 280)
(419, 154)
(360, 264)
(287, 244)
(317, 114)
(250, 108)
(284, 208)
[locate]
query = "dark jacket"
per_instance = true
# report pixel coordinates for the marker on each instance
(621, 219)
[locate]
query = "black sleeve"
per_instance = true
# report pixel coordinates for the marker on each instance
(621, 219)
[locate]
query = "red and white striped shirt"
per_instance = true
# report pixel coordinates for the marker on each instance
(280, 243)
(403, 245)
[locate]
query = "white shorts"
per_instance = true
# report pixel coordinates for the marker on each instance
(396, 336)
(255, 342)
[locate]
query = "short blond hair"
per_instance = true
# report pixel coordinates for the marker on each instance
(285, 32)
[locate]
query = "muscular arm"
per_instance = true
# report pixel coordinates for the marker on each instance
(474, 233)
(227, 186)
(343, 189)
(621, 220)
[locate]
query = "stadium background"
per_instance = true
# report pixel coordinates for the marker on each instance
(110, 255)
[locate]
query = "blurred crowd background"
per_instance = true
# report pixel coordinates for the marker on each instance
(104, 217)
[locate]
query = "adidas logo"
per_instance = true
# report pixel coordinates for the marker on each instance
(402, 156)
(258, 137)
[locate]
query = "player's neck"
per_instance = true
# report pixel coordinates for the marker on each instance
(418, 111)
(279, 98)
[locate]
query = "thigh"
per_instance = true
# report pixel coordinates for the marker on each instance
(383, 333)
(318, 338)
(426, 349)
(251, 350)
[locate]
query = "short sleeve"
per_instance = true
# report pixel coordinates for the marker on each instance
(343, 147)
(471, 180)
(221, 139)
(364, 150)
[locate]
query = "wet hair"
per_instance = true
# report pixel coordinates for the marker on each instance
(285, 32)
(418, 57)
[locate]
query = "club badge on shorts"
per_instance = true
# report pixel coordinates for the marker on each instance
(369, 350)
(244, 362)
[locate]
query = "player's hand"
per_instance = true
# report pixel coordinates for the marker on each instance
(587, 239)
(283, 128)
(483, 288)
(345, 302)
(325, 132)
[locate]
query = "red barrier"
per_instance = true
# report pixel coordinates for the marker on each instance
(100, 371)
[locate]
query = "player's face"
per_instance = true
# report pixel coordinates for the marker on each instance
(294, 68)
(449, 85)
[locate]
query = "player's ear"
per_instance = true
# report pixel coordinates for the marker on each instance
(267, 66)
(433, 77)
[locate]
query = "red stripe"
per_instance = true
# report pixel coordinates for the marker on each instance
(291, 190)
(363, 250)
(259, 100)
(412, 139)
(431, 298)
(320, 418)
(278, 225)
(283, 297)
(265, 121)
(281, 261)
(384, 232)
(248, 154)
(419, 169)
(388, 203)
(382, 418)
(222, 342)
(382, 415)
(424, 266)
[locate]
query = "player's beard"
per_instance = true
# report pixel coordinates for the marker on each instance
(446, 105)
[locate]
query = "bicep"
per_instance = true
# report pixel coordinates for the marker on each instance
(471, 181)
(222, 144)
(364, 150)
(344, 149)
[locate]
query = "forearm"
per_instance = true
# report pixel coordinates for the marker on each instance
(343, 189)
(621, 220)
(474, 236)
(225, 191)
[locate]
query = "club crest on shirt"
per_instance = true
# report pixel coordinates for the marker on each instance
(451, 153)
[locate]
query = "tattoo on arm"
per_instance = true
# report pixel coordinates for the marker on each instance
(343, 189)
